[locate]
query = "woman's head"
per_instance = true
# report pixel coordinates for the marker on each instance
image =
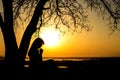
(38, 42)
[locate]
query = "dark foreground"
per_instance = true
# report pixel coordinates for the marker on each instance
(105, 68)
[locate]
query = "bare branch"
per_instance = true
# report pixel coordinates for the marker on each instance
(1, 21)
(109, 10)
(69, 13)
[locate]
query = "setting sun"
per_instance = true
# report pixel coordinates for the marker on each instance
(51, 37)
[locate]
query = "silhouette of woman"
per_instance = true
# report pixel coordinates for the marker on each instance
(35, 53)
(40, 55)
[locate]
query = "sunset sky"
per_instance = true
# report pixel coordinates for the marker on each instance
(95, 43)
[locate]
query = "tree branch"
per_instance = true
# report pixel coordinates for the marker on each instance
(31, 28)
(108, 9)
(1, 21)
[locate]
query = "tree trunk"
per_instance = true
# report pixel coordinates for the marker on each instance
(13, 56)
(11, 48)
(31, 28)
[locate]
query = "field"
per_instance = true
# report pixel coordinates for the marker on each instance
(75, 69)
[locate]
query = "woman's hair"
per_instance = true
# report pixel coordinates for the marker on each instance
(37, 42)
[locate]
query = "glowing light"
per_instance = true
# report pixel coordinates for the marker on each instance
(51, 37)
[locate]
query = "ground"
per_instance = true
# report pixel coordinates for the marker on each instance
(76, 70)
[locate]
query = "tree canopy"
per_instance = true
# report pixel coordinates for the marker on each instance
(69, 13)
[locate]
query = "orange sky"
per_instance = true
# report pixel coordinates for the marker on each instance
(86, 44)
(95, 43)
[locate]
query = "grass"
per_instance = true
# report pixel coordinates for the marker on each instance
(73, 70)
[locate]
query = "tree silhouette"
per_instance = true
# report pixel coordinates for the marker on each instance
(67, 13)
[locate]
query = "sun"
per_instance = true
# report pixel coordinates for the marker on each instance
(51, 37)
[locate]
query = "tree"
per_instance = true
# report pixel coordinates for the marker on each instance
(67, 13)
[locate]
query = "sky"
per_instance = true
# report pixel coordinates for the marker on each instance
(95, 43)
